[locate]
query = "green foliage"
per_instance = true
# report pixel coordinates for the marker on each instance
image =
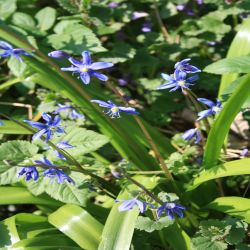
(73, 221)
(17, 150)
(148, 225)
(46, 18)
(215, 234)
(7, 8)
(235, 206)
(75, 38)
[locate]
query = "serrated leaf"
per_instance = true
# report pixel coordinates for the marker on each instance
(10, 127)
(46, 18)
(201, 243)
(65, 192)
(86, 140)
(148, 225)
(75, 39)
(17, 150)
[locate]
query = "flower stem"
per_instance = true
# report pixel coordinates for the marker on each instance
(163, 28)
(143, 188)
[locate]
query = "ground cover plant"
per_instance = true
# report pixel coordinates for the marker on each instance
(124, 124)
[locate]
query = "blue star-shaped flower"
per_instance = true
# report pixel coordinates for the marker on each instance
(62, 145)
(86, 68)
(177, 81)
(30, 173)
(170, 209)
(51, 126)
(8, 50)
(214, 108)
(114, 110)
(129, 204)
(185, 67)
(71, 112)
(59, 174)
(192, 133)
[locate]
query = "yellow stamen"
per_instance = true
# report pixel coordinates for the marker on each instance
(84, 69)
(114, 110)
(181, 83)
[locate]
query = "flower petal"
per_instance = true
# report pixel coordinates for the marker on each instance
(204, 114)
(86, 59)
(100, 76)
(100, 65)
(102, 103)
(46, 117)
(129, 110)
(85, 77)
(39, 134)
(5, 46)
(127, 205)
(76, 62)
(38, 125)
(206, 102)
(70, 69)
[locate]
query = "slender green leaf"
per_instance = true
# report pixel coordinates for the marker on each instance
(20, 195)
(10, 127)
(234, 206)
(239, 167)
(240, 46)
(223, 122)
(239, 64)
(78, 225)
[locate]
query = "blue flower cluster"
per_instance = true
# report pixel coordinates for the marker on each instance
(169, 208)
(52, 172)
(180, 80)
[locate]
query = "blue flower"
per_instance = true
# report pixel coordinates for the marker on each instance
(138, 14)
(45, 162)
(71, 112)
(177, 81)
(129, 204)
(170, 209)
(214, 108)
(51, 126)
(62, 145)
(114, 110)
(86, 68)
(30, 173)
(185, 67)
(59, 174)
(192, 133)
(8, 50)
(58, 54)
(146, 27)
(244, 152)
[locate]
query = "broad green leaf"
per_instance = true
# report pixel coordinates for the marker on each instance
(17, 68)
(148, 225)
(46, 18)
(67, 192)
(86, 140)
(78, 225)
(23, 20)
(7, 8)
(234, 206)
(20, 195)
(10, 127)
(176, 237)
(223, 122)
(119, 227)
(201, 243)
(239, 64)
(75, 39)
(239, 167)
(60, 241)
(240, 46)
(17, 150)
